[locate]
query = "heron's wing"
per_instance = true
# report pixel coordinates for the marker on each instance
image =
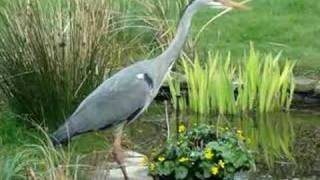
(116, 100)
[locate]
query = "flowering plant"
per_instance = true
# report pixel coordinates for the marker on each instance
(203, 152)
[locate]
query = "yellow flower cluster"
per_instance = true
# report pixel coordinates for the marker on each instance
(181, 128)
(152, 167)
(215, 170)
(183, 159)
(221, 164)
(161, 158)
(208, 154)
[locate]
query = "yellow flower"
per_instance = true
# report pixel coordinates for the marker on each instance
(221, 164)
(239, 131)
(183, 159)
(214, 170)
(181, 128)
(208, 154)
(161, 158)
(152, 167)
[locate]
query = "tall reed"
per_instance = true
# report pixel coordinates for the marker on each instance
(53, 53)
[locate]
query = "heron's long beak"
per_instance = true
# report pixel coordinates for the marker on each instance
(234, 5)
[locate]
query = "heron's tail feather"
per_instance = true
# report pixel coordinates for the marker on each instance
(61, 136)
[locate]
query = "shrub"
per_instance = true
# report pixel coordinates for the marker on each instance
(53, 53)
(203, 152)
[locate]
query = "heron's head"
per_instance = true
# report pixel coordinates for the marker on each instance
(220, 4)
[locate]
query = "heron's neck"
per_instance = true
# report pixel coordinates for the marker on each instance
(168, 57)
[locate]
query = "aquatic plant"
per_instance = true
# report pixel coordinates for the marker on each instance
(202, 153)
(53, 53)
(262, 83)
(265, 84)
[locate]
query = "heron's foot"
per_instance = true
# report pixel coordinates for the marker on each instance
(119, 156)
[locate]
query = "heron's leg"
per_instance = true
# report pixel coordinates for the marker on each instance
(117, 151)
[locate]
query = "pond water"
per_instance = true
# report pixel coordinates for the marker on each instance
(287, 145)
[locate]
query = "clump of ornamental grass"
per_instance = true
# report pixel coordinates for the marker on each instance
(262, 83)
(12, 168)
(54, 53)
(202, 152)
(41, 160)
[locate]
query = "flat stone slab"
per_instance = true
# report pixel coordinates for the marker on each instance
(303, 84)
(135, 166)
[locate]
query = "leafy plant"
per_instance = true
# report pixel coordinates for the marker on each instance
(203, 152)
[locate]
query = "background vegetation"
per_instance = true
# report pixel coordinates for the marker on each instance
(54, 52)
(46, 73)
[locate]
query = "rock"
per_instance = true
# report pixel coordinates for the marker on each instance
(304, 84)
(317, 89)
(298, 98)
(311, 100)
(241, 176)
(136, 169)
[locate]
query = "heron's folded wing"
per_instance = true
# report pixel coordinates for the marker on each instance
(110, 103)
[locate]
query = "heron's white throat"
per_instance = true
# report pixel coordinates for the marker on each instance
(140, 76)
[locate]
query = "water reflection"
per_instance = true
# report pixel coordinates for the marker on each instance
(271, 136)
(287, 145)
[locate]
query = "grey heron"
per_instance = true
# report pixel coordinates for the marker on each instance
(120, 99)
